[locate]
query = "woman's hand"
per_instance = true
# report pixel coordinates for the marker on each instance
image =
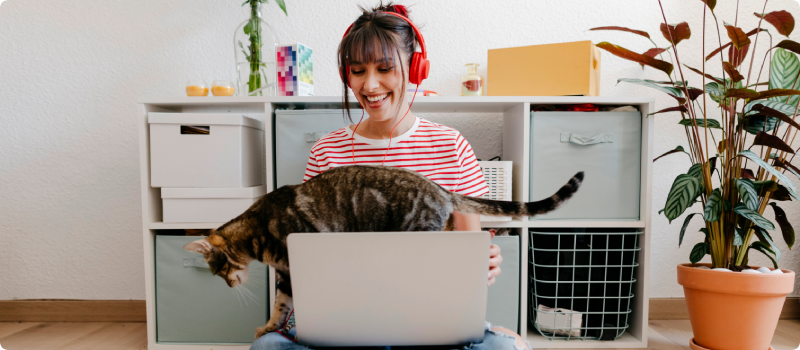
(472, 222)
(495, 259)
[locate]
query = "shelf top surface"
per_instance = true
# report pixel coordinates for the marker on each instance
(431, 104)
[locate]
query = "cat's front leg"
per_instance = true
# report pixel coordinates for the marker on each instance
(283, 306)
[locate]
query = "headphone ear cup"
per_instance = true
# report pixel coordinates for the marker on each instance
(418, 70)
(424, 68)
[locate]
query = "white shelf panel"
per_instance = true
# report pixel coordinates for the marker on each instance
(422, 104)
(510, 224)
(587, 223)
(185, 225)
(626, 341)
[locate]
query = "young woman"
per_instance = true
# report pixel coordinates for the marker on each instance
(375, 57)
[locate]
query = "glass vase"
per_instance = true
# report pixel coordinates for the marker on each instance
(472, 83)
(254, 46)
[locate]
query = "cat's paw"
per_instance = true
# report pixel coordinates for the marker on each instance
(269, 327)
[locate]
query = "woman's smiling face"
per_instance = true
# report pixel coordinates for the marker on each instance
(378, 86)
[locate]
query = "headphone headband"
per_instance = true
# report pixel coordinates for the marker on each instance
(418, 70)
(416, 31)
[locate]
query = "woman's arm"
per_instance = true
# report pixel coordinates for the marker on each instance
(472, 222)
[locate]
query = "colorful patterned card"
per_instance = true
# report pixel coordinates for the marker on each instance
(295, 70)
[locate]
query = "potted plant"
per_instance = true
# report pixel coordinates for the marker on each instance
(254, 50)
(739, 148)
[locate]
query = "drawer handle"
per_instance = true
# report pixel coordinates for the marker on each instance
(195, 130)
(574, 138)
(312, 137)
(195, 262)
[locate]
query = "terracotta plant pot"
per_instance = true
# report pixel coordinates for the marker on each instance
(732, 310)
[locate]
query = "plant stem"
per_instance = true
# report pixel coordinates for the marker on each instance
(254, 81)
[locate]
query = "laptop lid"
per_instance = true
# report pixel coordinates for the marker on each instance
(389, 288)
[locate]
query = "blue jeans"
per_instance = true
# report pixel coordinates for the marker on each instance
(492, 340)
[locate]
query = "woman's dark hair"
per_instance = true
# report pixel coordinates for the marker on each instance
(373, 36)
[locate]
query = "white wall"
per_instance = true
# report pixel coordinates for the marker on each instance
(72, 71)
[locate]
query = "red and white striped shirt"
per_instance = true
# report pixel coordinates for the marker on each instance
(436, 151)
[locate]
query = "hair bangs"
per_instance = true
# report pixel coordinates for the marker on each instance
(369, 45)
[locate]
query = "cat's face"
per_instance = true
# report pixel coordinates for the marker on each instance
(213, 249)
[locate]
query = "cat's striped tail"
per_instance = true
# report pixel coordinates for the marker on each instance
(482, 206)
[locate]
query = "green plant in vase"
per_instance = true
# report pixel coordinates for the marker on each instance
(254, 47)
(733, 196)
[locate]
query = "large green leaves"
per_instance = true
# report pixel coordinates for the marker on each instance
(698, 252)
(738, 237)
(282, 5)
(701, 123)
(684, 190)
(754, 124)
(716, 91)
(782, 178)
(786, 228)
(713, 206)
(782, 74)
(763, 236)
(778, 106)
(683, 228)
(748, 193)
(675, 92)
(764, 249)
(753, 216)
(764, 110)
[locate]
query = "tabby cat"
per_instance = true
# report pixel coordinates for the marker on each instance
(344, 199)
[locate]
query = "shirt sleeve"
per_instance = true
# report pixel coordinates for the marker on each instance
(312, 167)
(471, 182)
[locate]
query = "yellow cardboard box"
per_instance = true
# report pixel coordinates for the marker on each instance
(545, 70)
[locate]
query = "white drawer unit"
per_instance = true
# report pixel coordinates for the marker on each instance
(208, 204)
(206, 150)
(615, 195)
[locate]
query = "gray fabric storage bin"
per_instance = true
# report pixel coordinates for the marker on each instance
(606, 146)
(194, 306)
(502, 307)
(296, 131)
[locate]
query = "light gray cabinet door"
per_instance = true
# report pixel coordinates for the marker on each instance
(606, 146)
(194, 306)
(296, 131)
(502, 308)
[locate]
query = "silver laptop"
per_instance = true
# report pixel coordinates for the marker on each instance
(389, 288)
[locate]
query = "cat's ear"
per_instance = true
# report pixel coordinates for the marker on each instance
(200, 246)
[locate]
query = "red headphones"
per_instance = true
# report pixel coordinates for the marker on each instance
(418, 71)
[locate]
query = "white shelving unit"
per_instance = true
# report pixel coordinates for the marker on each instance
(516, 148)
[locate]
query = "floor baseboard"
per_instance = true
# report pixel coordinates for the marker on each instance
(675, 309)
(59, 310)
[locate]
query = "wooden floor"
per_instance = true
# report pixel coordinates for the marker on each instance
(664, 335)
